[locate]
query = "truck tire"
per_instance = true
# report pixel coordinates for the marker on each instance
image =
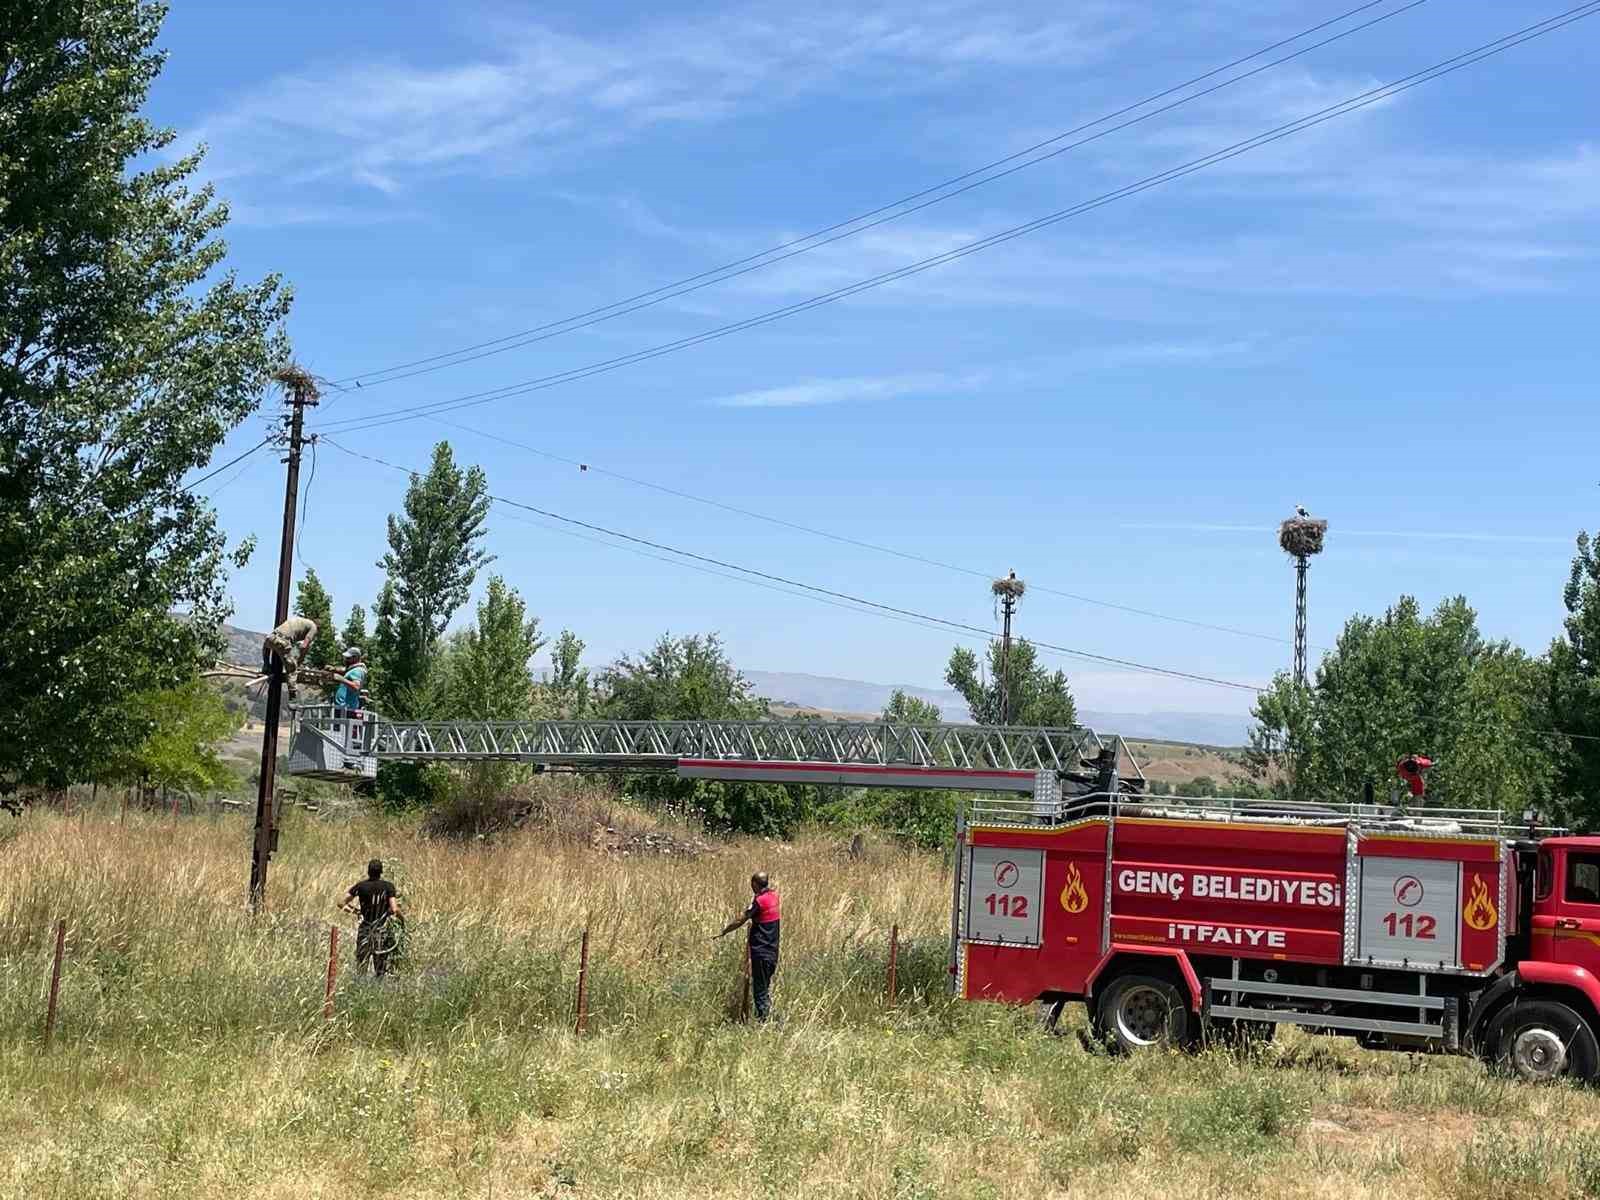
(1541, 1040)
(1142, 1012)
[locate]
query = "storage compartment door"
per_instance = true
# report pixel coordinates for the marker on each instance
(1409, 910)
(1003, 891)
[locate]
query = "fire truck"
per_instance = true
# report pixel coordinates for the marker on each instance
(1404, 925)
(1175, 921)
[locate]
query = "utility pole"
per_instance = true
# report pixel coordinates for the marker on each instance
(302, 395)
(1008, 590)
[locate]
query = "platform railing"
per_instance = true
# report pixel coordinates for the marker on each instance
(1416, 818)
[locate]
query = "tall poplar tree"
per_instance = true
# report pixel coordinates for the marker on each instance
(127, 354)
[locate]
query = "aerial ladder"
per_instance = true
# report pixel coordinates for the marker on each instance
(1032, 764)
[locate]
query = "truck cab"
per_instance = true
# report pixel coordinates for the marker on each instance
(1564, 927)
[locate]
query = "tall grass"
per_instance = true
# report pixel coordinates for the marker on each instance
(192, 1059)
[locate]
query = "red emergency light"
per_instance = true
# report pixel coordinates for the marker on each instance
(1412, 768)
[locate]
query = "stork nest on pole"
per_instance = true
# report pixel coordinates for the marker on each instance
(296, 378)
(1302, 536)
(1010, 586)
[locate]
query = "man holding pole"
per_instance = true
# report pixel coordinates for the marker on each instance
(288, 643)
(763, 918)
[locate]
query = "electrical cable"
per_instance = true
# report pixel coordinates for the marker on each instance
(305, 501)
(871, 219)
(841, 539)
(816, 590)
(842, 600)
(190, 486)
(771, 587)
(231, 480)
(1343, 108)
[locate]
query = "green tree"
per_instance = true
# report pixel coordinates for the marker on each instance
(435, 552)
(1038, 696)
(384, 654)
(490, 671)
(568, 686)
(1573, 691)
(687, 679)
(354, 632)
(1404, 684)
(127, 354)
(181, 728)
(924, 817)
(311, 599)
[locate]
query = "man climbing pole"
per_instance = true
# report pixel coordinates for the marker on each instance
(763, 917)
(354, 678)
(289, 643)
(376, 900)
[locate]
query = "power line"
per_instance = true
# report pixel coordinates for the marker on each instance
(874, 217)
(305, 501)
(841, 539)
(230, 480)
(1289, 129)
(817, 590)
(192, 484)
(675, 562)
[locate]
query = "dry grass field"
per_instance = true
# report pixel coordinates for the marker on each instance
(191, 1057)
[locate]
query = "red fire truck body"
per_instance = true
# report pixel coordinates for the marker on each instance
(1171, 920)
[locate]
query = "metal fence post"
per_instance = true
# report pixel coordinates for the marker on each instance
(55, 982)
(894, 962)
(333, 972)
(583, 986)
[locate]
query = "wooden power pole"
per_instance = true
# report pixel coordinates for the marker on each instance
(302, 395)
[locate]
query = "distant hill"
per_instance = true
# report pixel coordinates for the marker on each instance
(802, 691)
(828, 693)
(244, 645)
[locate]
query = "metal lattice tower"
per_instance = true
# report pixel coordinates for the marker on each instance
(1008, 591)
(1301, 536)
(1302, 564)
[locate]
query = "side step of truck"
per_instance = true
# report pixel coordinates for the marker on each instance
(1408, 1014)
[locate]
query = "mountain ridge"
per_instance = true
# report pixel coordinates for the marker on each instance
(835, 694)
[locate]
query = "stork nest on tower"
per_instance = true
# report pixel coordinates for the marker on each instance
(1302, 536)
(1009, 586)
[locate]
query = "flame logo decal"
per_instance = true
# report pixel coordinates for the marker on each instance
(1073, 897)
(1480, 913)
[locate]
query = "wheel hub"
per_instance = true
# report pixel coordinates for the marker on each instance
(1538, 1054)
(1142, 1017)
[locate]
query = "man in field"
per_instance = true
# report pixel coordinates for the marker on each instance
(289, 642)
(763, 918)
(375, 898)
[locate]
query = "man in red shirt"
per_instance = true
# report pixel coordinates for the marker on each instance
(763, 917)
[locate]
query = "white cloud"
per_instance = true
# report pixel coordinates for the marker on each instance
(534, 95)
(838, 391)
(815, 392)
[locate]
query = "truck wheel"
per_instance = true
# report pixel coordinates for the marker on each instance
(1137, 1012)
(1541, 1040)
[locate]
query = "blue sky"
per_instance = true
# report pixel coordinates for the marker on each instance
(1388, 318)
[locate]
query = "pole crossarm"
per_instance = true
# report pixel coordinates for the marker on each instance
(702, 747)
